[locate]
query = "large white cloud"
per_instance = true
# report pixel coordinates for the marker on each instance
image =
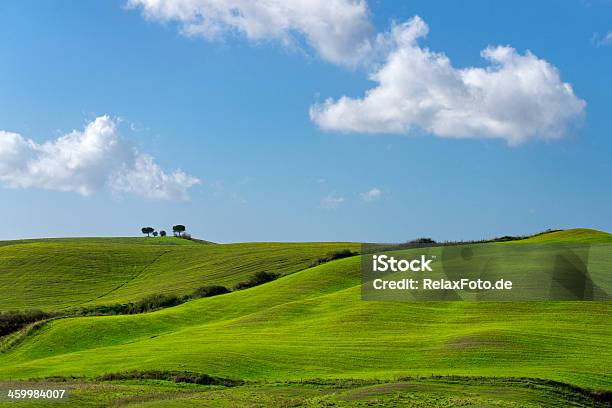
(339, 30)
(87, 161)
(516, 97)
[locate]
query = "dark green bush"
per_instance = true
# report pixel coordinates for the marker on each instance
(144, 305)
(422, 241)
(153, 302)
(106, 310)
(14, 320)
(208, 291)
(257, 279)
(175, 376)
(201, 379)
(343, 253)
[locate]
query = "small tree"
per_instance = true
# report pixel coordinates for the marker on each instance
(154, 233)
(178, 229)
(147, 230)
(162, 233)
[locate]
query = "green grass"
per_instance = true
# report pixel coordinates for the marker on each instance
(104, 241)
(55, 274)
(311, 323)
(576, 235)
(418, 392)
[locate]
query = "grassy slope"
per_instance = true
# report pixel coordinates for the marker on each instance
(314, 324)
(53, 274)
(576, 235)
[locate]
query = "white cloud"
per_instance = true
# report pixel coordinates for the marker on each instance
(516, 97)
(604, 40)
(85, 162)
(339, 30)
(331, 201)
(372, 195)
(147, 179)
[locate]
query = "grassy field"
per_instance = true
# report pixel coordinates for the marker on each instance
(576, 235)
(55, 274)
(309, 324)
(416, 392)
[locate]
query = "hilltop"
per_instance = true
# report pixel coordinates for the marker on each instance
(579, 235)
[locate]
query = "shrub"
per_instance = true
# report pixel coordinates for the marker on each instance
(201, 379)
(14, 320)
(422, 241)
(208, 291)
(175, 376)
(153, 302)
(257, 279)
(507, 238)
(106, 310)
(263, 277)
(144, 305)
(343, 253)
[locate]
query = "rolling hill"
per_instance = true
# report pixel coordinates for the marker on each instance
(575, 235)
(56, 274)
(309, 324)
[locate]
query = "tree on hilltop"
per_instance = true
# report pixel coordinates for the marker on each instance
(178, 229)
(147, 230)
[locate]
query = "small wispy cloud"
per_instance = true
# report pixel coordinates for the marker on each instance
(331, 201)
(372, 195)
(220, 189)
(602, 40)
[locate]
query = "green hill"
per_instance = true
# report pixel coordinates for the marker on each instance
(59, 273)
(579, 235)
(309, 324)
(55, 274)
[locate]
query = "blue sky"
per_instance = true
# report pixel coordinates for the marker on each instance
(234, 110)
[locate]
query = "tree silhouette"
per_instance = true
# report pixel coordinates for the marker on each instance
(178, 229)
(147, 230)
(154, 233)
(162, 233)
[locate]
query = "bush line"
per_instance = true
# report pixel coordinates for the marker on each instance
(13, 321)
(174, 376)
(344, 253)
